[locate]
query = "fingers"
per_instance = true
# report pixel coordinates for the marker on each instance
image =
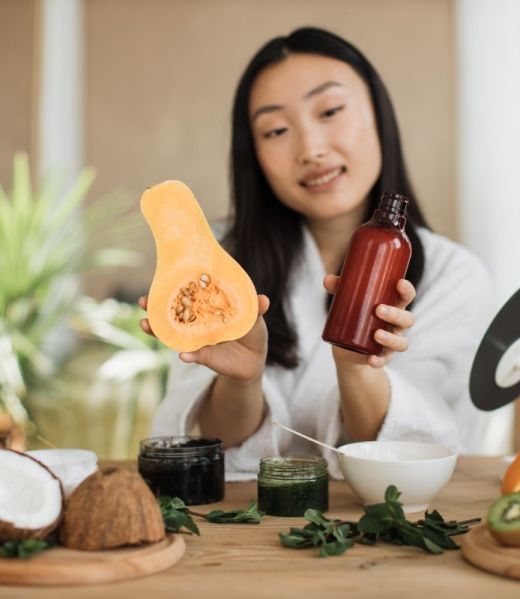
(143, 323)
(189, 357)
(205, 356)
(400, 319)
(330, 282)
(397, 317)
(391, 341)
(377, 361)
(407, 292)
(209, 355)
(263, 304)
(145, 326)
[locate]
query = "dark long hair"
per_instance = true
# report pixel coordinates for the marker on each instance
(266, 237)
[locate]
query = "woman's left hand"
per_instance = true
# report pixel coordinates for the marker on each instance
(393, 340)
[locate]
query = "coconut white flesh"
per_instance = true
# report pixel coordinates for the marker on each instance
(30, 497)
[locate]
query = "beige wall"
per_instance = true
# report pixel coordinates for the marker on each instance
(18, 77)
(160, 75)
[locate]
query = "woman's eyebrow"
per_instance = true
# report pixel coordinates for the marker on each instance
(313, 92)
(265, 109)
(321, 88)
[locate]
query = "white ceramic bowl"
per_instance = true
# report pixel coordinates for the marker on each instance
(418, 470)
(71, 466)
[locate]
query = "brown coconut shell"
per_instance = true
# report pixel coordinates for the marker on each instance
(8, 532)
(111, 508)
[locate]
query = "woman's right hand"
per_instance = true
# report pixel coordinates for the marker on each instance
(242, 360)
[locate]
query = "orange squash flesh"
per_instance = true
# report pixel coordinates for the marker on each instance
(199, 294)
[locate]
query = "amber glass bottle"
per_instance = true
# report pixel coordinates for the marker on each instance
(377, 257)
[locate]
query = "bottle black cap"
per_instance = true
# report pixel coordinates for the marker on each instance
(394, 202)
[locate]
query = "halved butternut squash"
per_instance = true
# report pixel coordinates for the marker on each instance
(199, 294)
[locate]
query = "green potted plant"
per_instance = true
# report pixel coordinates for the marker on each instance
(48, 237)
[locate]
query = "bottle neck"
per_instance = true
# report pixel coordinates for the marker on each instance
(388, 218)
(391, 210)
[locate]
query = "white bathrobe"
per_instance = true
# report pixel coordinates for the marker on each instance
(429, 382)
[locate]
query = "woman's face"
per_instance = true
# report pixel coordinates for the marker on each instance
(315, 135)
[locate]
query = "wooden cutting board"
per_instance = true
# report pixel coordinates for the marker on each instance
(483, 551)
(60, 566)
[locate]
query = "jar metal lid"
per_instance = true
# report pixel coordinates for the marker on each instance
(293, 467)
(179, 446)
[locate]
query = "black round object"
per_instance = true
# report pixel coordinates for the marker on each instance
(191, 468)
(501, 334)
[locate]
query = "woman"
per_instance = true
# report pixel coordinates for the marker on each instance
(315, 142)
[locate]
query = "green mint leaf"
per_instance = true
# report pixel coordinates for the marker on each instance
(319, 538)
(331, 536)
(433, 517)
(175, 515)
(411, 535)
(249, 516)
(24, 548)
(174, 503)
(393, 537)
(392, 494)
(380, 511)
(396, 512)
(433, 520)
(312, 527)
(316, 517)
(176, 520)
(431, 546)
(439, 538)
(294, 541)
(371, 525)
(341, 532)
(302, 532)
(381, 522)
(335, 548)
(368, 540)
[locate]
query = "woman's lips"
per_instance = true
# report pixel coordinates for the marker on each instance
(319, 180)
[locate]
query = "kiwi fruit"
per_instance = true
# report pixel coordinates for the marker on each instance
(503, 519)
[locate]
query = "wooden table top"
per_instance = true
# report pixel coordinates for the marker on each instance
(247, 561)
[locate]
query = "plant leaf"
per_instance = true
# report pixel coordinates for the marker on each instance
(24, 548)
(392, 494)
(335, 548)
(316, 516)
(381, 522)
(175, 515)
(294, 541)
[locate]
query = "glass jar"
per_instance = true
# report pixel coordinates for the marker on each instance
(191, 468)
(287, 486)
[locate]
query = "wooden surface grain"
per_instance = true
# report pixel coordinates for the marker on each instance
(248, 562)
(481, 549)
(61, 566)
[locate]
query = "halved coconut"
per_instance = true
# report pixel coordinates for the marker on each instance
(31, 497)
(111, 508)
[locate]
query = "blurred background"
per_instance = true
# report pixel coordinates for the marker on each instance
(102, 98)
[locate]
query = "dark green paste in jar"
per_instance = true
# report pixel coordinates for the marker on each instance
(287, 486)
(191, 468)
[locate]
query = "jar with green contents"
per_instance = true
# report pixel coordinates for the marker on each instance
(287, 486)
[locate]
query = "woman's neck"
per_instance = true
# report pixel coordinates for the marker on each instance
(332, 237)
